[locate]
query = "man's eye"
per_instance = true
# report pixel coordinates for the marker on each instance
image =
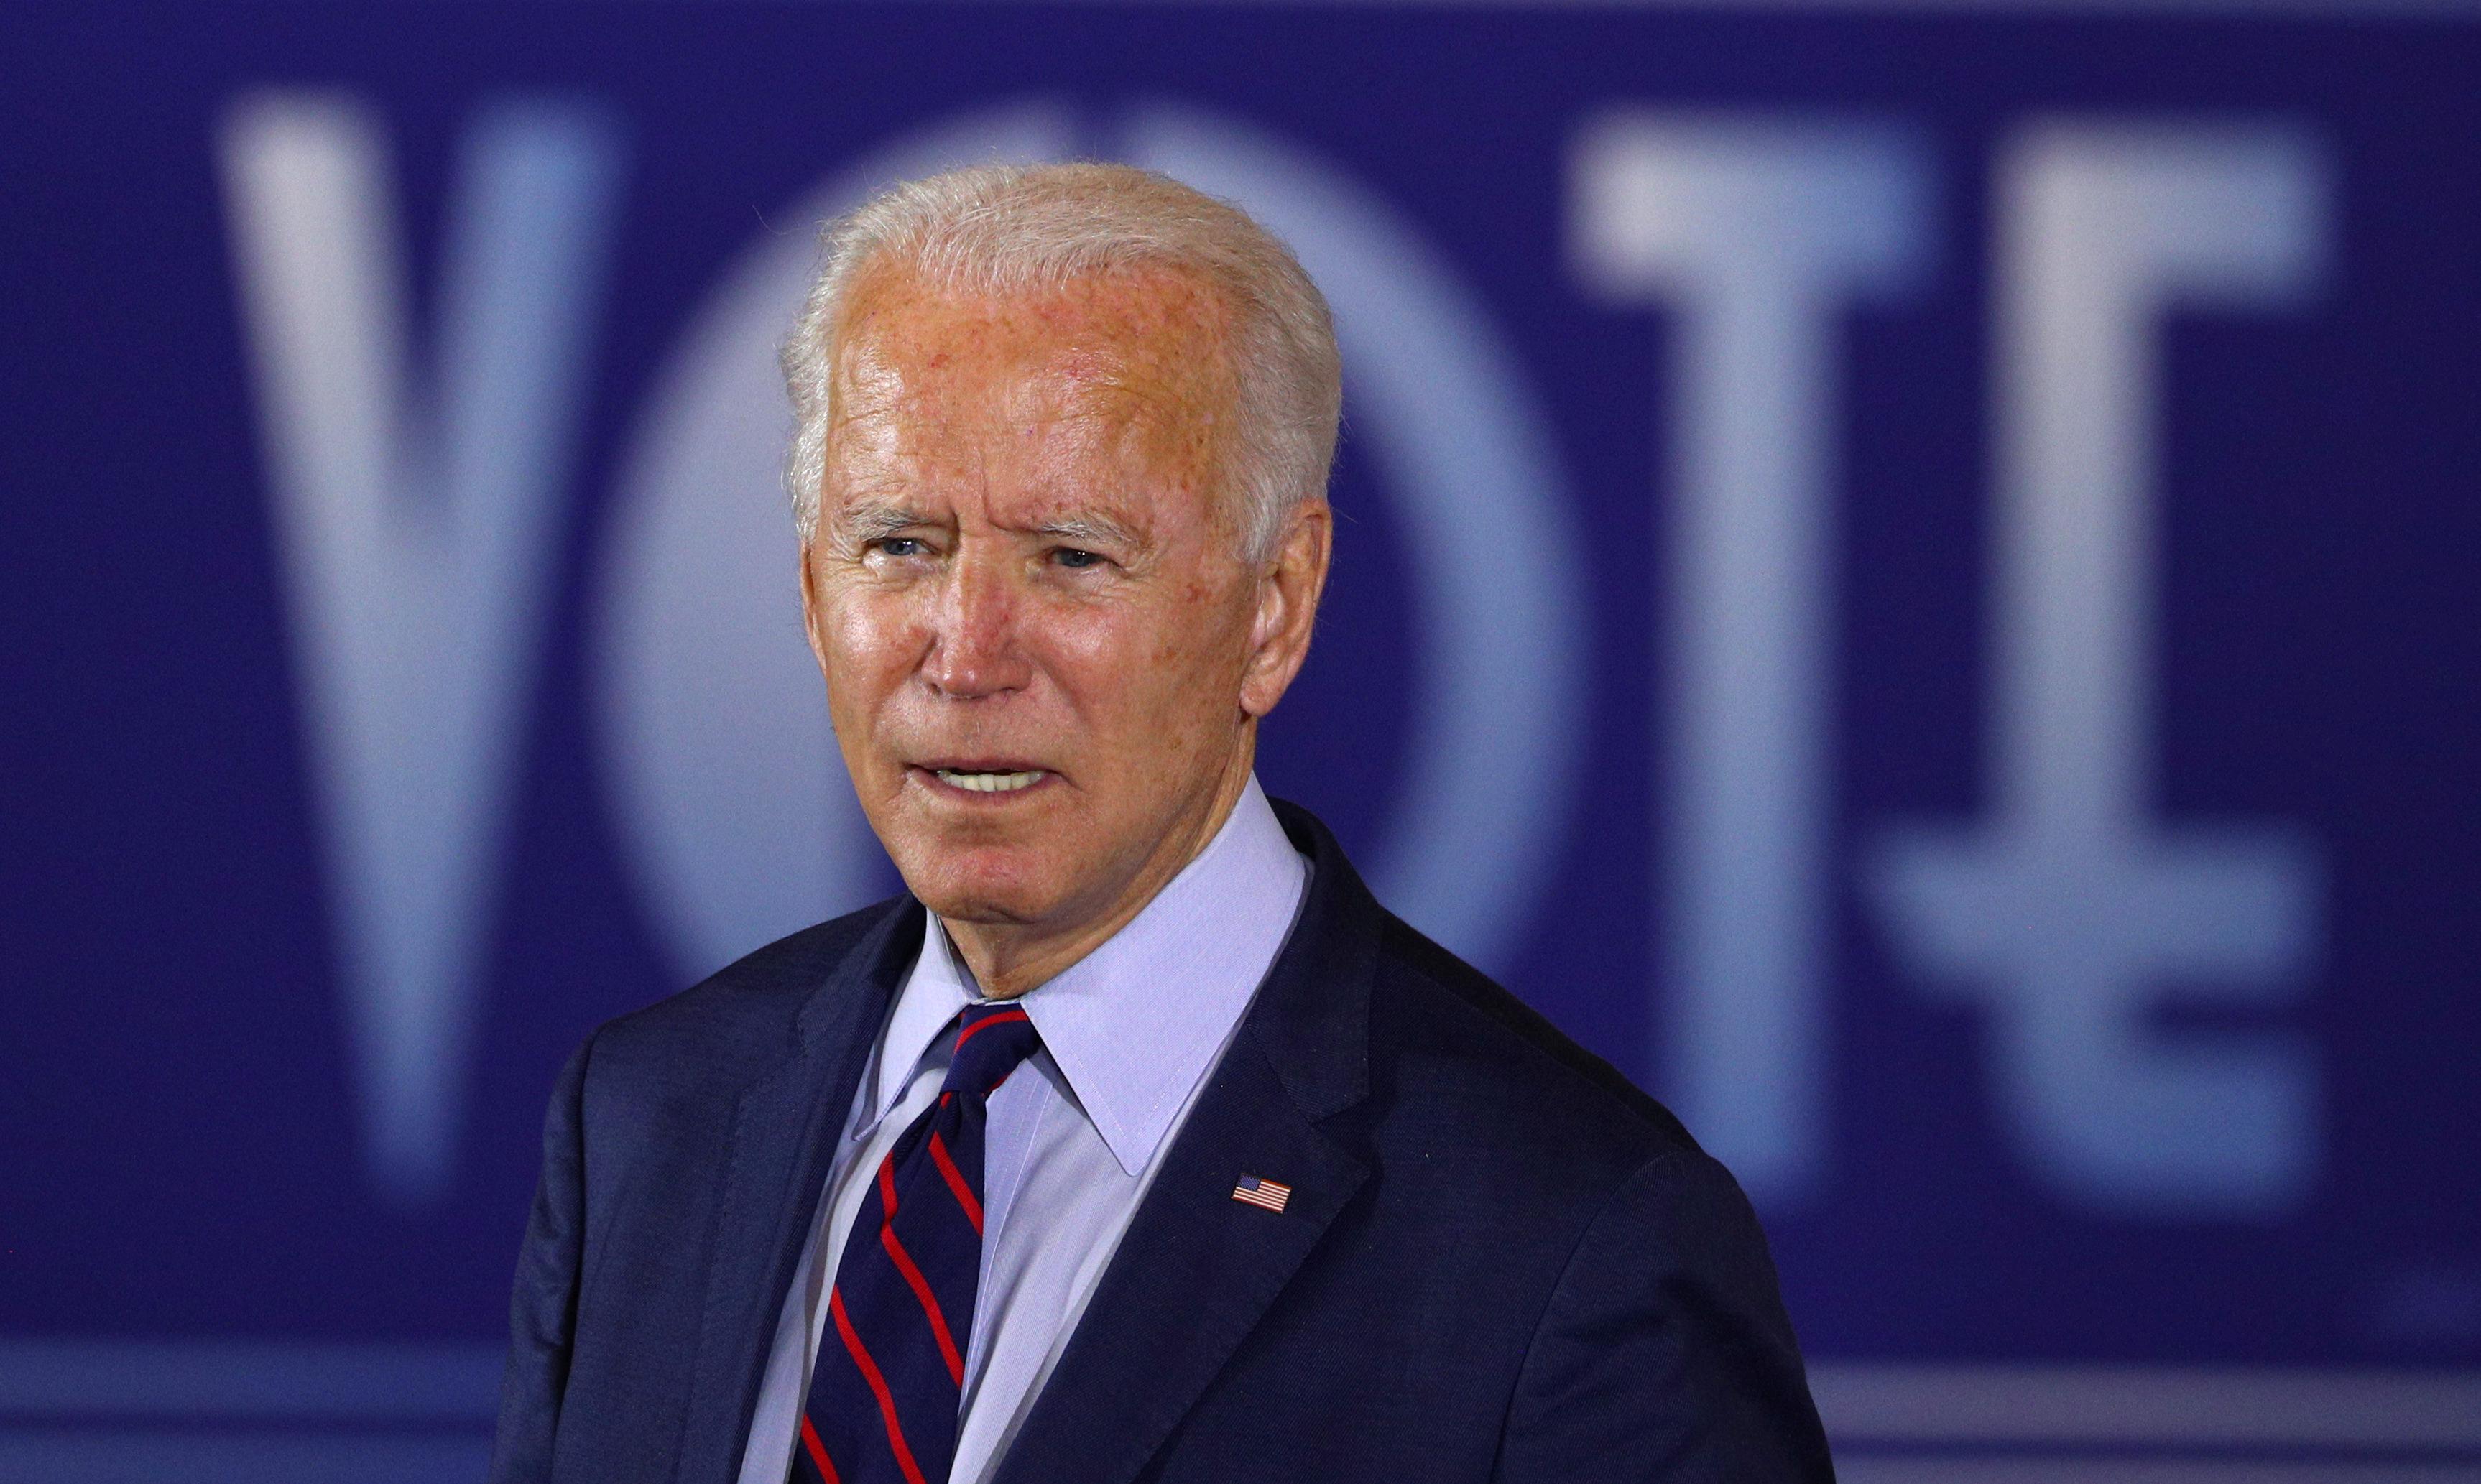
(1073, 557)
(901, 546)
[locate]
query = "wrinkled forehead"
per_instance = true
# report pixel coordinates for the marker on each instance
(1147, 348)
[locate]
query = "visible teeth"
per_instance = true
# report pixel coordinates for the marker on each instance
(991, 783)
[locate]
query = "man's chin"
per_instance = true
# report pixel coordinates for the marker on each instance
(994, 885)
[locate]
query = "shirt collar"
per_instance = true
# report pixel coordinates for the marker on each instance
(1134, 1025)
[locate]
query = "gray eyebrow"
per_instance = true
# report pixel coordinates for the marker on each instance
(1089, 528)
(866, 521)
(856, 524)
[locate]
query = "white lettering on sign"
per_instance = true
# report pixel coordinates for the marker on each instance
(1756, 235)
(415, 526)
(2072, 916)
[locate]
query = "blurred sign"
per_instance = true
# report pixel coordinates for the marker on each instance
(1903, 578)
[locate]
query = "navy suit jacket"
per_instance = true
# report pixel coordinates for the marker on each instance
(1499, 1260)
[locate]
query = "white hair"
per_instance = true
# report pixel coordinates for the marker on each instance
(1029, 229)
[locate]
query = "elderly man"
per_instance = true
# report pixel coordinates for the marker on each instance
(1135, 1140)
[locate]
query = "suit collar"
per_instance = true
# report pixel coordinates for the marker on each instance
(864, 983)
(1313, 1016)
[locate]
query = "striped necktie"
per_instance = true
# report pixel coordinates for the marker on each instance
(891, 1368)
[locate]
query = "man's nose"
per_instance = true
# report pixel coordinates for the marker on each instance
(974, 641)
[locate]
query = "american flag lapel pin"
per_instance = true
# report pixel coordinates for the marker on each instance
(1269, 1193)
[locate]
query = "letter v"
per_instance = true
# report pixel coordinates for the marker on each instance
(415, 535)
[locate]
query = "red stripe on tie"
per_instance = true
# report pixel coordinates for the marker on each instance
(887, 1185)
(817, 1450)
(955, 1180)
(860, 1354)
(921, 1288)
(1003, 1018)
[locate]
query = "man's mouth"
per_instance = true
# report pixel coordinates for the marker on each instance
(982, 780)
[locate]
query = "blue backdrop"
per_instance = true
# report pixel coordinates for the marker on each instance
(1908, 578)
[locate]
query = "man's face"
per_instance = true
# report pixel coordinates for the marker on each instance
(1042, 647)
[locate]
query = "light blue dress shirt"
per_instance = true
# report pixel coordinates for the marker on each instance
(1129, 1033)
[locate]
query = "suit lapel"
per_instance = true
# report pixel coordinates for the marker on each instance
(1197, 1271)
(783, 1137)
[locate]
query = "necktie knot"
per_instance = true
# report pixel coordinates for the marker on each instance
(991, 1041)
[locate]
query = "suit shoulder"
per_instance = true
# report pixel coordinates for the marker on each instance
(1456, 1026)
(746, 1006)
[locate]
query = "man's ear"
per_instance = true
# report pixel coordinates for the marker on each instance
(1288, 599)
